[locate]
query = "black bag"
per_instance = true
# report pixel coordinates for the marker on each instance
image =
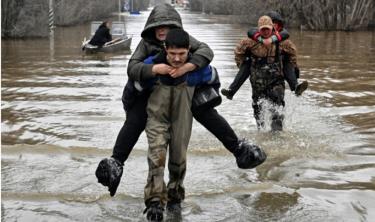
(205, 97)
(128, 95)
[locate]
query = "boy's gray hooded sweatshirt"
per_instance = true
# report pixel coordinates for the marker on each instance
(162, 15)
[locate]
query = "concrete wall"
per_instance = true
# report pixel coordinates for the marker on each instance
(140, 5)
(241, 11)
(70, 12)
(26, 18)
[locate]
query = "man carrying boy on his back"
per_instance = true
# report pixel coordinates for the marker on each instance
(169, 123)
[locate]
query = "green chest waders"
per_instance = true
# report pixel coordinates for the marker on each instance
(264, 78)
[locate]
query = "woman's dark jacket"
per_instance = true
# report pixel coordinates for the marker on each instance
(102, 35)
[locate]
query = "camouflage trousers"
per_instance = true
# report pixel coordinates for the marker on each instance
(169, 124)
(269, 86)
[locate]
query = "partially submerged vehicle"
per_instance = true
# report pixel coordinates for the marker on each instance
(117, 31)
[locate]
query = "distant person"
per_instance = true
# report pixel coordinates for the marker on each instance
(266, 78)
(103, 35)
(291, 73)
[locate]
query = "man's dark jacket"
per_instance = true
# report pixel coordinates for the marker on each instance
(102, 35)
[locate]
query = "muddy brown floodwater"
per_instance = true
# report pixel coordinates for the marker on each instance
(61, 112)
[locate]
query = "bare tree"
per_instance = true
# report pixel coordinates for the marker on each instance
(327, 14)
(310, 14)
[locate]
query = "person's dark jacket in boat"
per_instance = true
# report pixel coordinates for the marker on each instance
(102, 35)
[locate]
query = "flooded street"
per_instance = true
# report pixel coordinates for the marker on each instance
(61, 112)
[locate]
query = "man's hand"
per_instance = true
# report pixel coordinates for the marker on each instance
(161, 69)
(187, 67)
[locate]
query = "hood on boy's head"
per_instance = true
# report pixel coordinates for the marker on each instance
(275, 16)
(161, 15)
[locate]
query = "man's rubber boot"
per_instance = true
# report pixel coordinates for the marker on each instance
(174, 211)
(301, 88)
(277, 123)
(109, 174)
(249, 155)
(154, 211)
(174, 206)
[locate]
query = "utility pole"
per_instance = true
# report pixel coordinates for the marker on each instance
(51, 16)
(119, 10)
(51, 22)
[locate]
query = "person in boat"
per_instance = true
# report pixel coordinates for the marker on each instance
(291, 73)
(135, 101)
(102, 36)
